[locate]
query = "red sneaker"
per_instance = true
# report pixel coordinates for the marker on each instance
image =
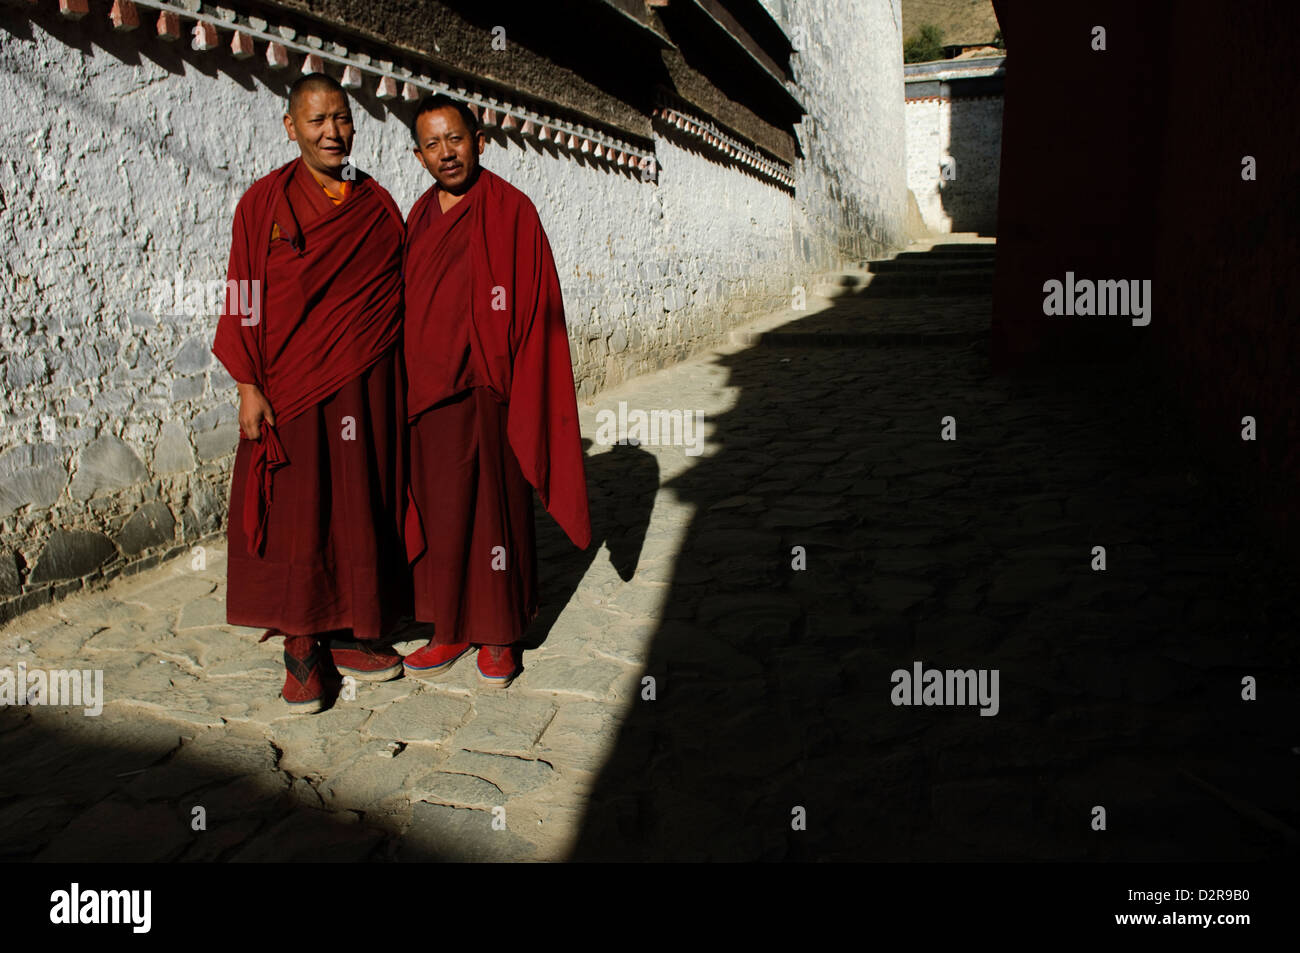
(434, 660)
(363, 661)
(497, 665)
(303, 691)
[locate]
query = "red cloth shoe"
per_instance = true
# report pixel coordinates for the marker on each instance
(434, 660)
(363, 661)
(304, 689)
(498, 665)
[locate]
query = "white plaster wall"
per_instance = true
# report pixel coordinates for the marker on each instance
(122, 165)
(851, 196)
(968, 130)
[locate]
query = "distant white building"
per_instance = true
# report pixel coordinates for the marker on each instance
(954, 141)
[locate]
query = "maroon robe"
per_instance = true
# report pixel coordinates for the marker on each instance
(493, 411)
(317, 502)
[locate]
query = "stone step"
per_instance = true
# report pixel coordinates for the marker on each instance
(946, 250)
(936, 258)
(873, 322)
(925, 264)
(838, 284)
(941, 283)
(856, 338)
(970, 248)
(956, 238)
(904, 280)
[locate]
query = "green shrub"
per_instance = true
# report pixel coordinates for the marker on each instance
(925, 44)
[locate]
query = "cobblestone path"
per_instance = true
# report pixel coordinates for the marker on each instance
(772, 685)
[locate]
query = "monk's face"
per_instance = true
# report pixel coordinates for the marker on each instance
(321, 124)
(447, 150)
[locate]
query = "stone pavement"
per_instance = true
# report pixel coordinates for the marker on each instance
(772, 684)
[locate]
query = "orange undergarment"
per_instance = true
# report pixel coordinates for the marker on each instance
(343, 193)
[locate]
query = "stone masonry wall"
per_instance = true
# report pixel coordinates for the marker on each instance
(851, 198)
(126, 157)
(968, 130)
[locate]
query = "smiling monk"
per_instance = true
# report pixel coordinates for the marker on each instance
(317, 494)
(491, 400)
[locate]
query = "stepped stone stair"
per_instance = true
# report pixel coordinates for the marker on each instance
(959, 263)
(937, 291)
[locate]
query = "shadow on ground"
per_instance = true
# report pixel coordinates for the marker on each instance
(113, 787)
(1119, 689)
(621, 487)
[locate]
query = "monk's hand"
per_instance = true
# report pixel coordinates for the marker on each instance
(253, 409)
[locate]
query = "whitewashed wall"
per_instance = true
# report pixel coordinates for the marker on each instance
(122, 167)
(968, 131)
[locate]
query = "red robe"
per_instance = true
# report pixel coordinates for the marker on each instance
(317, 501)
(493, 411)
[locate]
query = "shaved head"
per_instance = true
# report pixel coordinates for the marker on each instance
(311, 83)
(319, 119)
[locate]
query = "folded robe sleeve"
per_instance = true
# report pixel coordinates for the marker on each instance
(237, 344)
(542, 418)
(238, 347)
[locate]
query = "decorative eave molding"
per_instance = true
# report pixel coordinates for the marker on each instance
(974, 68)
(951, 99)
(732, 149)
(947, 80)
(975, 87)
(207, 26)
(204, 24)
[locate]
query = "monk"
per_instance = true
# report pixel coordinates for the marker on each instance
(311, 333)
(490, 399)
